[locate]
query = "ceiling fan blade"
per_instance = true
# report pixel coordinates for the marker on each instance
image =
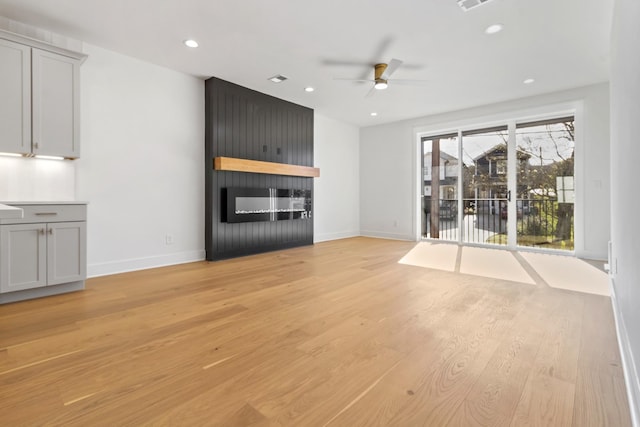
(371, 92)
(380, 52)
(354, 80)
(381, 49)
(404, 82)
(392, 66)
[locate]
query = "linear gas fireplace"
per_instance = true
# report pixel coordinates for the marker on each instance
(264, 204)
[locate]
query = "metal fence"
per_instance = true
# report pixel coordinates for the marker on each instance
(540, 223)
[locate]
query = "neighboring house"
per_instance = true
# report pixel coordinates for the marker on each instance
(490, 173)
(448, 176)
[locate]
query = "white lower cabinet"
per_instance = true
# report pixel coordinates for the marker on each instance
(66, 259)
(43, 254)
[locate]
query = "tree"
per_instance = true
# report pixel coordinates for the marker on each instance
(552, 155)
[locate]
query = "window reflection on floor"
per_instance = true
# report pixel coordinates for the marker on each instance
(556, 271)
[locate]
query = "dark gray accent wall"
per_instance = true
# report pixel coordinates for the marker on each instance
(246, 124)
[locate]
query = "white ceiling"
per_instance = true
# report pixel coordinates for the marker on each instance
(560, 43)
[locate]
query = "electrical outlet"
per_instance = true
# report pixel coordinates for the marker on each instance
(168, 239)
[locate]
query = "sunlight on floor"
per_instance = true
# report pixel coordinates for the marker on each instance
(557, 271)
(569, 273)
(439, 256)
(494, 263)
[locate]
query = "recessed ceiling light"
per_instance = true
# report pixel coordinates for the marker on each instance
(528, 81)
(191, 43)
(278, 78)
(495, 28)
(374, 114)
(309, 89)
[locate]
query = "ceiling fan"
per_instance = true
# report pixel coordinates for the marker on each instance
(381, 77)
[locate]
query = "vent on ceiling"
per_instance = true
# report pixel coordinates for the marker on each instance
(278, 78)
(470, 4)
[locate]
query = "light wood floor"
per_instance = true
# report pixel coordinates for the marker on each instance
(335, 334)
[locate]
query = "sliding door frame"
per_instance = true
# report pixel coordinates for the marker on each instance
(509, 118)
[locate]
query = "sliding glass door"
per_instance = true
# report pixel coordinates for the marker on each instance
(440, 187)
(485, 153)
(545, 183)
(509, 185)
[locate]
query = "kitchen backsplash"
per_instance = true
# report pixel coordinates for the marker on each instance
(24, 179)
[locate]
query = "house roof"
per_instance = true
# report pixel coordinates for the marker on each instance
(443, 155)
(501, 149)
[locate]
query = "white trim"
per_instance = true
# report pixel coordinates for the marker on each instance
(418, 185)
(124, 266)
(460, 194)
(519, 116)
(325, 237)
(631, 377)
(389, 236)
(29, 41)
(512, 185)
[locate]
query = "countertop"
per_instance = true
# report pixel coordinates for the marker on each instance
(51, 202)
(10, 212)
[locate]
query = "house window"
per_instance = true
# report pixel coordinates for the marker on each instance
(501, 167)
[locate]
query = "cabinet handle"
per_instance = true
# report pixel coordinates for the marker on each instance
(46, 213)
(42, 231)
(35, 145)
(51, 231)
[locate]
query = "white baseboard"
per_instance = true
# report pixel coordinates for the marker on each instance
(317, 238)
(629, 365)
(384, 235)
(123, 266)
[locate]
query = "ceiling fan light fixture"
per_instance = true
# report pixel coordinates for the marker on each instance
(380, 85)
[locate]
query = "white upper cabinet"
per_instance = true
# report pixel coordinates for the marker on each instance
(55, 116)
(15, 99)
(39, 98)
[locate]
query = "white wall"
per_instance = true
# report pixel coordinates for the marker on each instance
(142, 163)
(625, 206)
(386, 181)
(389, 160)
(30, 179)
(337, 190)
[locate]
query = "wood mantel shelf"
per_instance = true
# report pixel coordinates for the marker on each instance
(256, 166)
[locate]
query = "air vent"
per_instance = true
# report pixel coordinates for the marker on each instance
(470, 4)
(278, 78)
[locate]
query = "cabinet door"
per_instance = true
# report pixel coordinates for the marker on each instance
(56, 84)
(23, 257)
(66, 252)
(15, 101)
